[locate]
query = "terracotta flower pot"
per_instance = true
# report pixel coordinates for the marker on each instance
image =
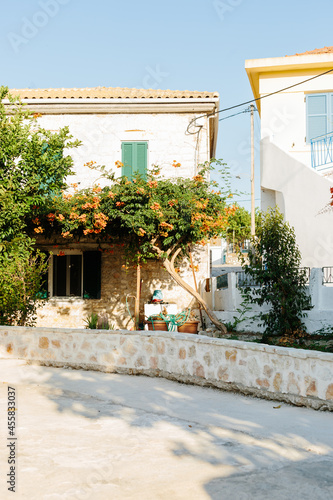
(189, 327)
(158, 325)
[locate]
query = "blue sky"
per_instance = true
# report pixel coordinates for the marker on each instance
(178, 44)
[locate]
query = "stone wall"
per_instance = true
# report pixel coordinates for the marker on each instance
(303, 378)
(117, 282)
(102, 136)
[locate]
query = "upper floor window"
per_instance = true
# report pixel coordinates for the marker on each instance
(319, 115)
(134, 159)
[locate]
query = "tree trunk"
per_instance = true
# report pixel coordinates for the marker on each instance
(137, 297)
(168, 262)
(171, 270)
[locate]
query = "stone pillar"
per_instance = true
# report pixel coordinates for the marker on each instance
(233, 292)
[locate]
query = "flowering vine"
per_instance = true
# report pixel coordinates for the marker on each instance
(153, 217)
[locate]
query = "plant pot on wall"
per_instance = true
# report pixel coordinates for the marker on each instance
(157, 325)
(189, 327)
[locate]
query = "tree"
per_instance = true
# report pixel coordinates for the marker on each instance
(33, 167)
(22, 270)
(274, 266)
(32, 164)
(239, 227)
(155, 218)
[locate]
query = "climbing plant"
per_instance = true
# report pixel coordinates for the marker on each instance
(154, 218)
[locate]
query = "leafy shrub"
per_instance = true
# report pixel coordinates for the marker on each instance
(274, 264)
(22, 271)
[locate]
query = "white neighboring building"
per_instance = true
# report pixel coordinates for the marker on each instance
(141, 128)
(297, 145)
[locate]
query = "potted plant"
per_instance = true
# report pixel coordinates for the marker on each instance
(183, 322)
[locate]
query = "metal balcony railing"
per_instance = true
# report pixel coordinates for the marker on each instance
(245, 280)
(327, 275)
(322, 151)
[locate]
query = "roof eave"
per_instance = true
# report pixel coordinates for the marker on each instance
(126, 105)
(256, 67)
(105, 100)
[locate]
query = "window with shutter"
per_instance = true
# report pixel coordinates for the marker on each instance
(92, 275)
(319, 115)
(134, 159)
(77, 275)
(67, 276)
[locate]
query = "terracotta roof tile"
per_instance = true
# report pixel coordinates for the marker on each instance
(110, 93)
(324, 50)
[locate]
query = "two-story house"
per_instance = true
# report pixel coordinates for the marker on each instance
(295, 103)
(140, 128)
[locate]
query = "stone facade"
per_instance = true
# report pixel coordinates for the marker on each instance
(117, 283)
(103, 119)
(303, 378)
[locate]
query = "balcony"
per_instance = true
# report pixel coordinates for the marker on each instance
(322, 152)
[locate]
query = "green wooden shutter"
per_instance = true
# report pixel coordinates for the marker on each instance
(59, 275)
(91, 275)
(127, 159)
(134, 158)
(141, 158)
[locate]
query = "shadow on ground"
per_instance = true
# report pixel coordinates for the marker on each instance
(215, 440)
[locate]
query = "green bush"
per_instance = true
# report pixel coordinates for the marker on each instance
(22, 271)
(274, 264)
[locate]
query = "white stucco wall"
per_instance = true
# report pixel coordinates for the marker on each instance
(287, 178)
(283, 116)
(301, 193)
(102, 135)
(227, 304)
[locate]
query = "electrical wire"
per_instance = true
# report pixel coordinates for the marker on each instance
(240, 201)
(255, 99)
(247, 110)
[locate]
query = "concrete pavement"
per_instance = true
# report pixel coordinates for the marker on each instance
(91, 435)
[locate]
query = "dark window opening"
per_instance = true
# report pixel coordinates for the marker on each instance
(67, 276)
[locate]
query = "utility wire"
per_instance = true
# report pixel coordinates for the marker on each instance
(239, 201)
(256, 99)
(247, 110)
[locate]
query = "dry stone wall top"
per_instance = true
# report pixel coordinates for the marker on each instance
(294, 375)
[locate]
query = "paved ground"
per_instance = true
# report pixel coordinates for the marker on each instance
(89, 435)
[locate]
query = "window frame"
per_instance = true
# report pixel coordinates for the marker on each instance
(91, 281)
(51, 275)
(328, 113)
